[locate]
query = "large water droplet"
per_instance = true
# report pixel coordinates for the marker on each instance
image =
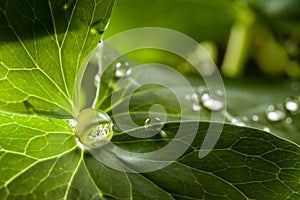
(274, 115)
(292, 106)
(122, 69)
(94, 128)
(210, 103)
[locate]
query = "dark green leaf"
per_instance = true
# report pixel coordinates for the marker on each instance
(245, 164)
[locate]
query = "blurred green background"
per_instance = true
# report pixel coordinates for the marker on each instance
(245, 37)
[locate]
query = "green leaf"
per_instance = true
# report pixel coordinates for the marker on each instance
(245, 164)
(249, 98)
(245, 99)
(44, 47)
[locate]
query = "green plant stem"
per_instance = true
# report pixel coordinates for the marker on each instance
(236, 52)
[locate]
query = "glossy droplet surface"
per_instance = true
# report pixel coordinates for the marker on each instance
(72, 123)
(210, 103)
(196, 107)
(255, 118)
(153, 124)
(94, 128)
(97, 80)
(274, 115)
(192, 97)
(99, 26)
(237, 122)
(292, 106)
(122, 69)
(267, 129)
(289, 120)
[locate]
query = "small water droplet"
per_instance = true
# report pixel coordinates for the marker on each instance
(97, 80)
(94, 128)
(255, 118)
(292, 106)
(267, 129)
(274, 115)
(163, 134)
(245, 119)
(72, 123)
(196, 107)
(202, 89)
(289, 120)
(99, 26)
(210, 103)
(193, 97)
(122, 69)
(237, 122)
(153, 124)
(220, 92)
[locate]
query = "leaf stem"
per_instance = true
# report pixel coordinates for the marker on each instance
(236, 52)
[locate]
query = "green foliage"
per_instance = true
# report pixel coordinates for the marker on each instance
(44, 49)
(40, 160)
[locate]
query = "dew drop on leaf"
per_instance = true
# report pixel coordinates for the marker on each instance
(267, 129)
(255, 118)
(210, 103)
(94, 128)
(245, 119)
(202, 89)
(122, 69)
(274, 115)
(196, 107)
(99, 27)
(97, 80)
(220, 92)
(289, 120)
(292, 106)
(72, 123)
(237, 122)
(153, 124)
(192, 97)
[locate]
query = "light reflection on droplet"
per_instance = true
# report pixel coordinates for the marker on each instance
(94, 128)
(192, 96)
(292, 106)
(267, 129)
(122, 69)
(97, 80)
(237, 122)
(274, 115)
(72, 123)
(255, 118)
(153, 124)
(196, 107)
(210, 103)
(289, 120)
